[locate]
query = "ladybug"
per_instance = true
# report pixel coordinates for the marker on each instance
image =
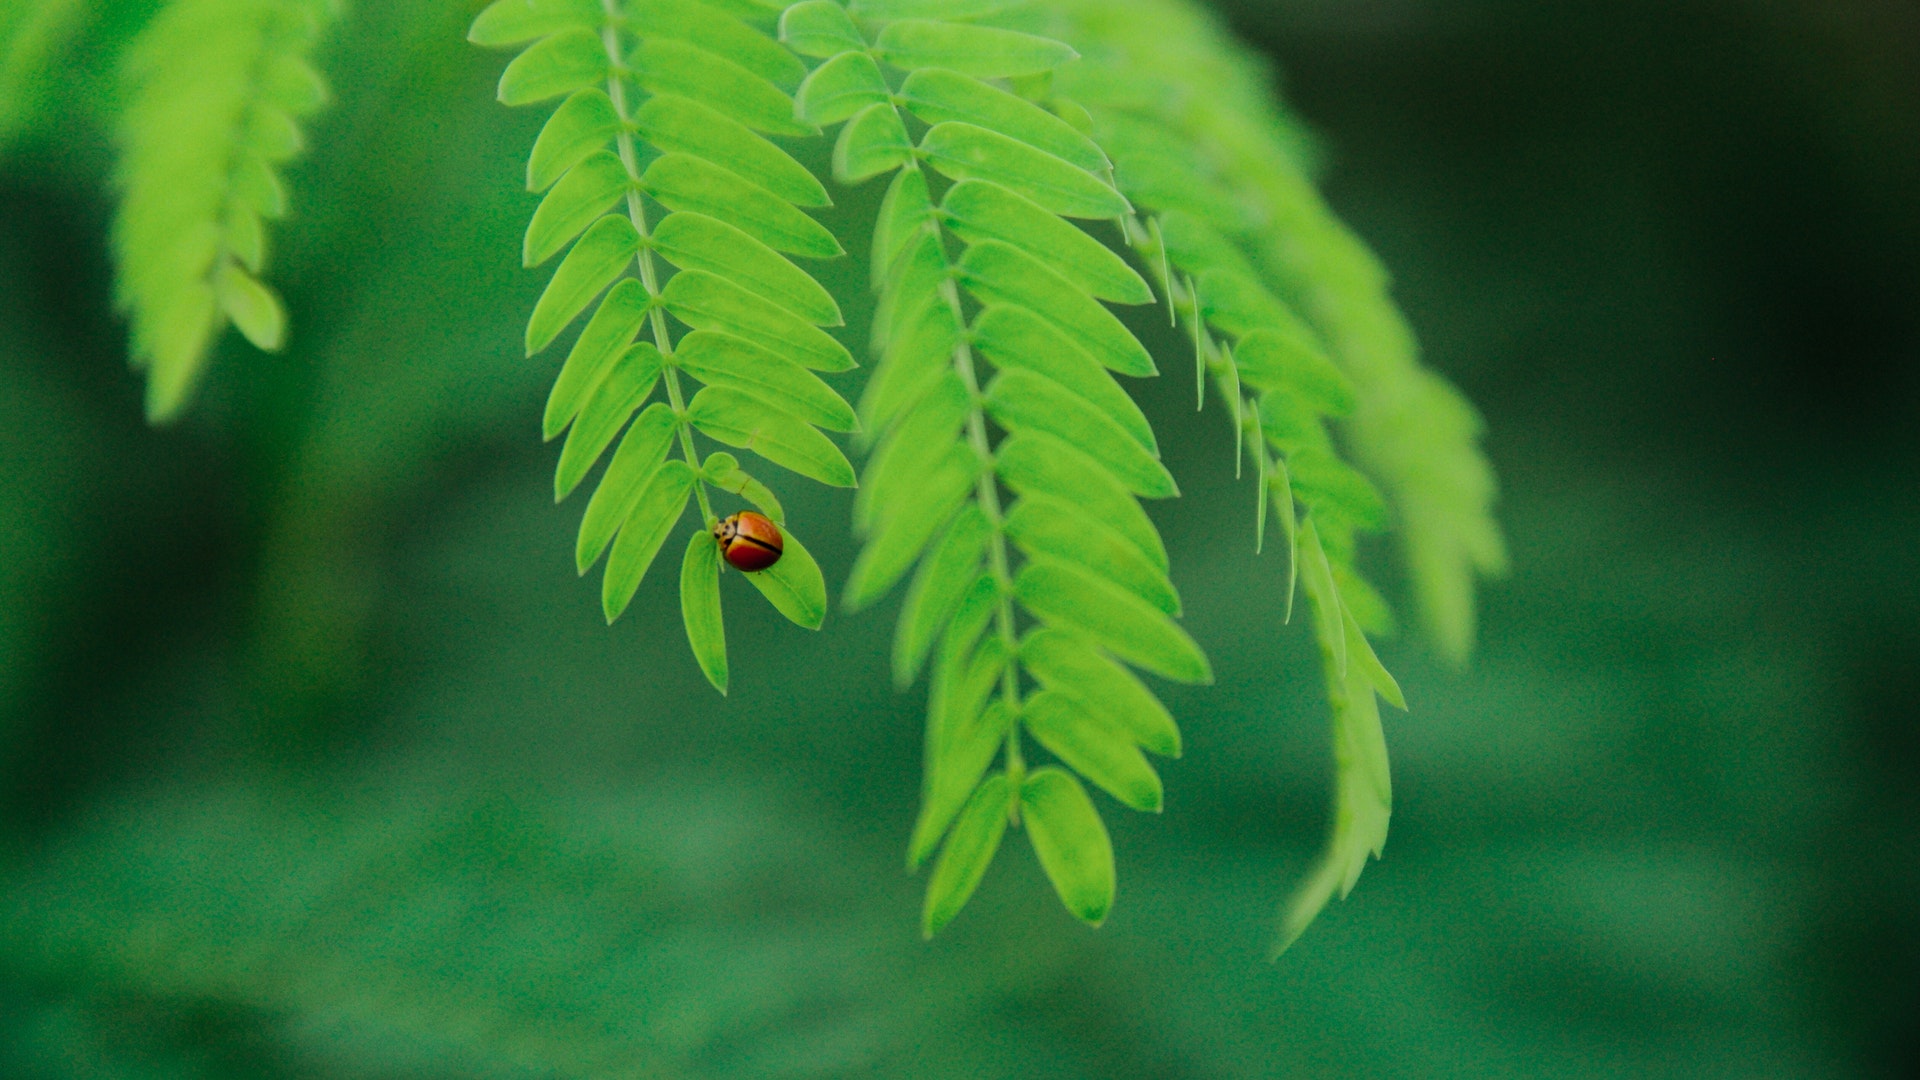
(748, 541)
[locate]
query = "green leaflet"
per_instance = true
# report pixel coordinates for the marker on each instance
(654, 513)
(1279, 485)
(794, 585)
(555, 67)
(982, 51)
(838, 89)
(607, 335)
(1159, 173)
(681, 125)
(900, 538)
(1069, 663)
(687, 183)
(944, 574)
(916, 281)
(617, 395)
(214, 93)
(1239, 305)
(583, 124)
(1044, 526)
(971, 618)
(723, 471)
(516, 22)
(872, 143)
(1284, 359)
(966, 691)
(1091, 746)
(705, 301)
(1316, 578)
(256, 310)
(976, 211)
(665, 66)
(968, 852)
(1000, 273)
(1022, 401)
(1014, 337)
(916, 362)
(1033, 462)
(698, 242)
(641, 453)
(912, 447)
(965, 151)
(595, 262)
(742, 420)
(723, 360)
(937, 97)
(1197, 246)
(583, 195)
(905, 214)
(1334, 488)
(958, 756)
(819, 28)
(1070, 841)
(717, 33)
(887, 10)
(700, 607)
(1061, 593)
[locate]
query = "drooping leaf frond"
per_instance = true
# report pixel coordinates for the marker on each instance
(1195, 129)
(995, 383)
(218, 90)
(1291, 320)
(681, 220)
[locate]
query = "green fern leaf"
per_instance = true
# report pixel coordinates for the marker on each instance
(1283, 301)
(679, 217)
(218, 89)
(1008, 339)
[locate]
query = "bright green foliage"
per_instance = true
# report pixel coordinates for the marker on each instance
(1023, 147)
(681, 221)
(219, 88)
(991, 325)
(31, 37)
(1291, 319)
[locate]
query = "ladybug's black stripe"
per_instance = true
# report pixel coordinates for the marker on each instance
(761, 544)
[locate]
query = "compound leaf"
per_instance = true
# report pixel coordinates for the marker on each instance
(700, 607)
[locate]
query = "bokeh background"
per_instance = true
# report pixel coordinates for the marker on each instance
(316, 759)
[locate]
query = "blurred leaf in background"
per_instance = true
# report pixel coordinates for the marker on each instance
(318, 760)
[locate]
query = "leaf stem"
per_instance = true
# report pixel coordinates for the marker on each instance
(649, 276)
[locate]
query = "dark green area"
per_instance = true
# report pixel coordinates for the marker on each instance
(316, 759)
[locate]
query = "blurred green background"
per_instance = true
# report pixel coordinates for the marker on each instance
(317, 761)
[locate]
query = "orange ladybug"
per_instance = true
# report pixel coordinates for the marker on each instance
(748, 541)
